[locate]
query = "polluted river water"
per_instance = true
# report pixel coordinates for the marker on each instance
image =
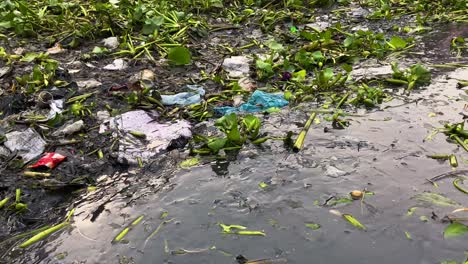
(292, 202)
(383, 152)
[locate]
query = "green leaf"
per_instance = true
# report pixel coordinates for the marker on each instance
(216, 144)
(420, 74)
(151, 24)
(262, 185)
(348, 41)
(318, 56)
(234, 134)
(312, 226)
(299, 76)
(6, 24)
(435, 199)
(29, 57)
(179, 56)
(252, 125)
(455, 229)
(99, 50)
(273, 45)
(397, 43)
(327, 74)
(264, 66)
(353, 221)
(336, 201)
(189, 163)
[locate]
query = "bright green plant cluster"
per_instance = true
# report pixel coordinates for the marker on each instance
(237, 132)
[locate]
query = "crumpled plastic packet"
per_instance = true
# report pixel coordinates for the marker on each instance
(154, 137)
(49, 160)
(28, 144)
(193, 96)
(258, 102)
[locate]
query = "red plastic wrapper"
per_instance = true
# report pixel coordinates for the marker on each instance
(50, 160)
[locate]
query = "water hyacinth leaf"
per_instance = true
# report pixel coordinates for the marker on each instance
(6, 24)
(313, 226)
(455, 229)
(435, 199)
(397, 43)
(299, 76)
(189, 163)
(216, 144)
(29, 57)
(252, 124)
(326, 74)
(264, 66)
(99, 50)
(179, 56)
(353, 221)
(273, 45)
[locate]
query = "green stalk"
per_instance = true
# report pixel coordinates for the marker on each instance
(18, 195)
(4, 202)
(396, 81)
(453, 161)
(343, 100)
(461, 189)
(439, 156)
(460, 142)
(301, 138)
(44, 234)
(124, 232)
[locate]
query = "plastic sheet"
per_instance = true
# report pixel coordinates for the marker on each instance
(193, 96)
(157, 136)
(258, 102)
(28, 144)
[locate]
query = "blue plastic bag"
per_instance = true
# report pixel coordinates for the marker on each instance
(258, 102)
(194, 96)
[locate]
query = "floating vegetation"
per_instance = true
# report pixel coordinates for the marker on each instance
(124, 232)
